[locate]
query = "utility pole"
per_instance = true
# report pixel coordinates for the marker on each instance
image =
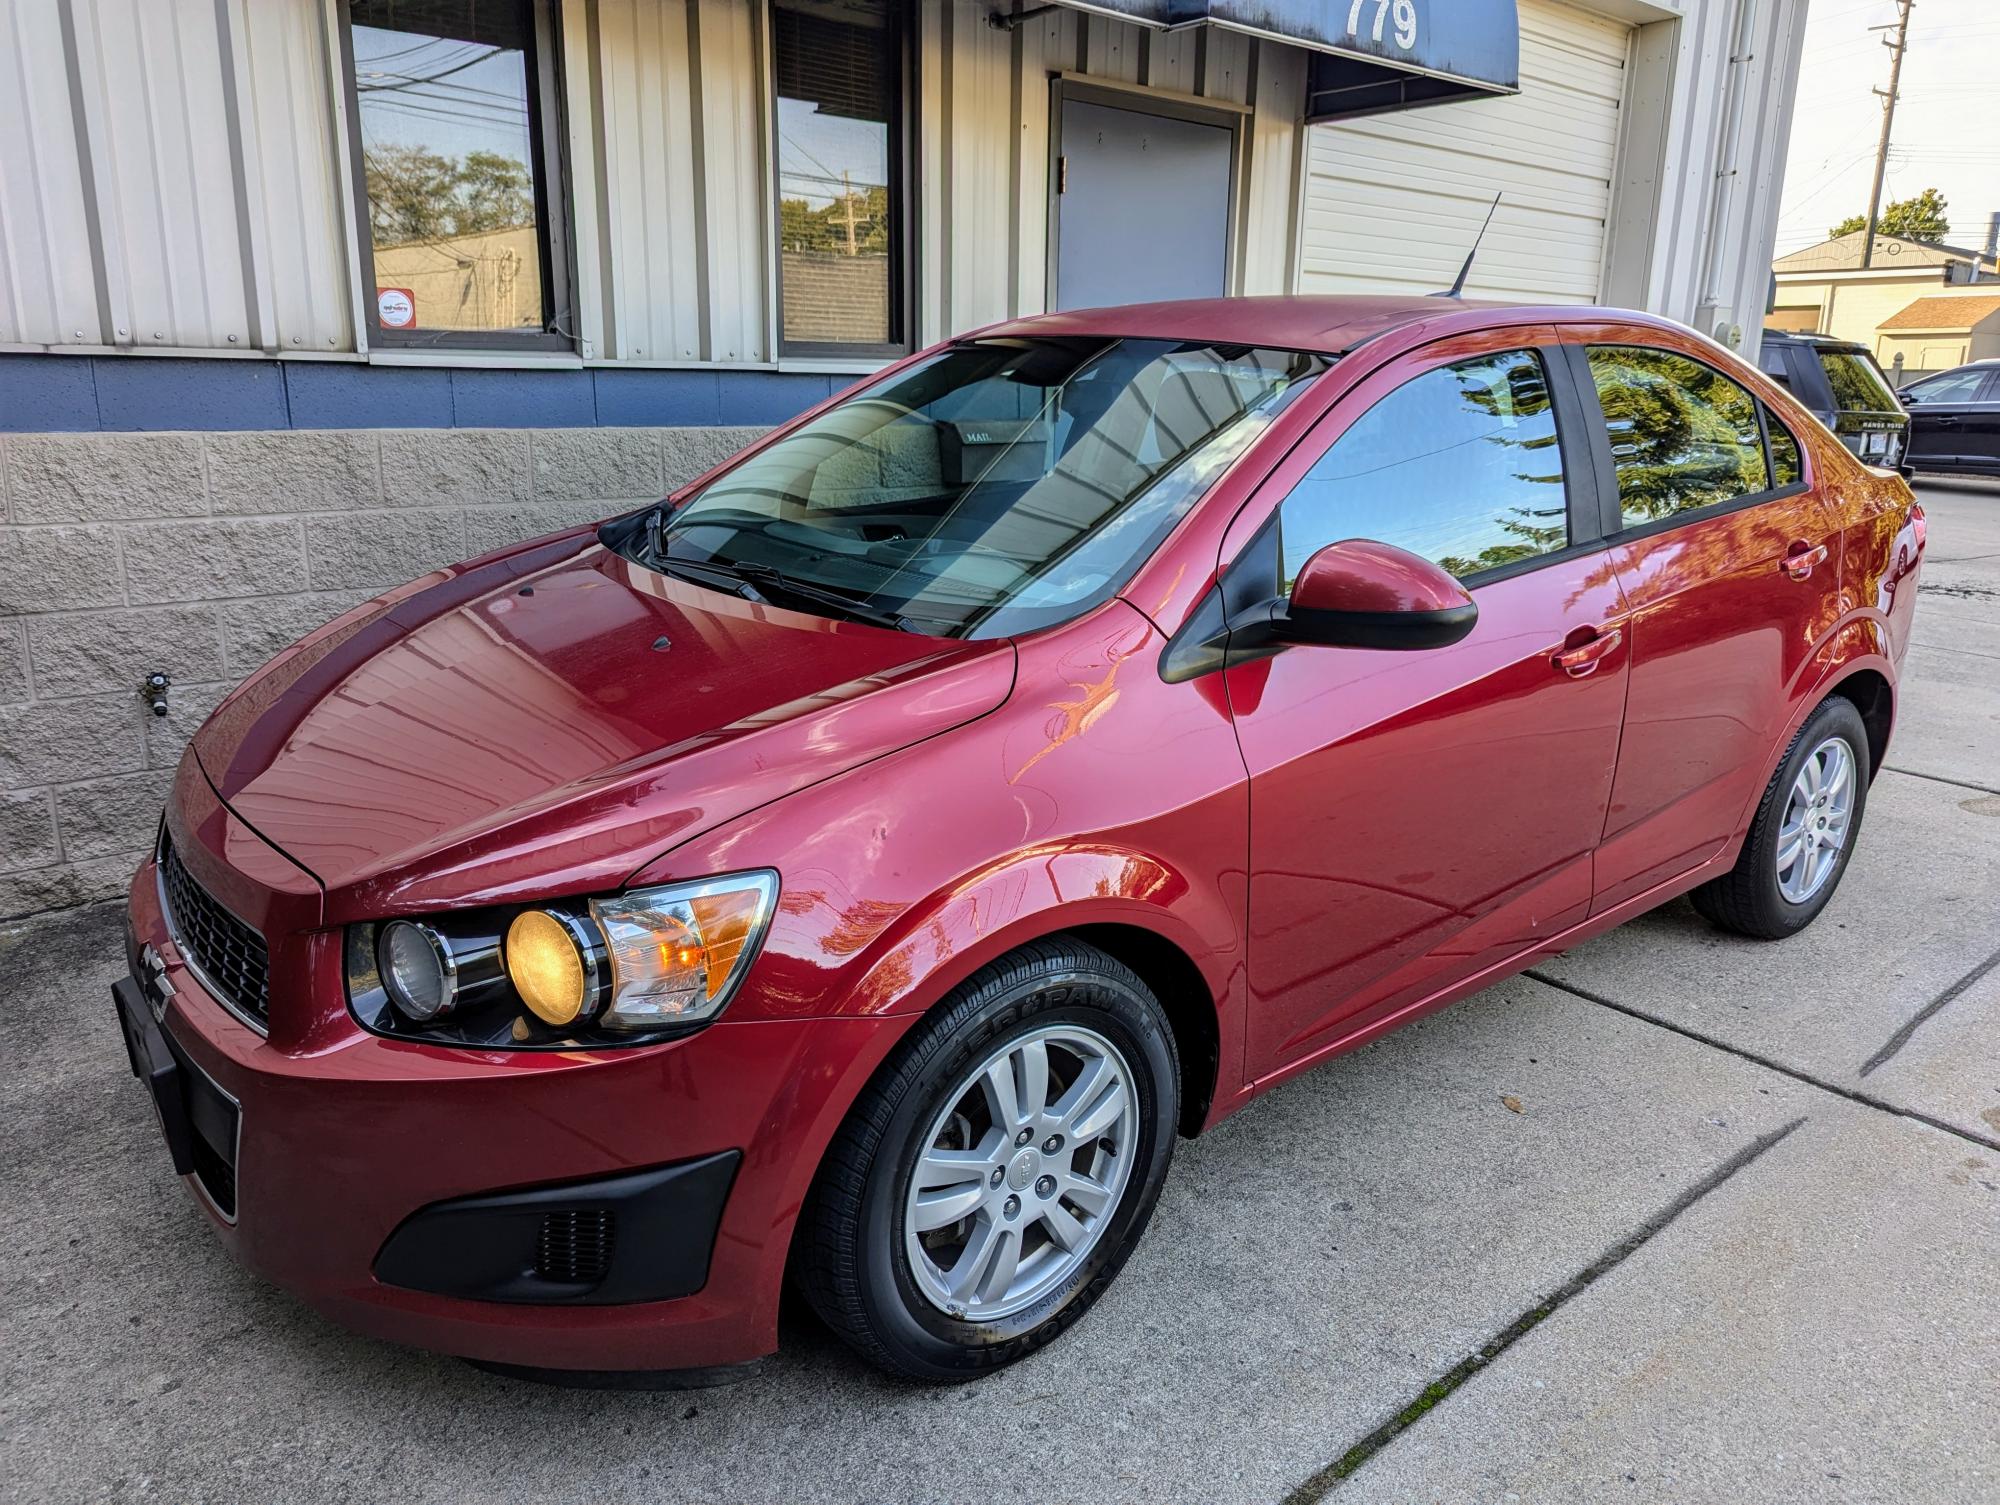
(847, 201)
(1896, 48)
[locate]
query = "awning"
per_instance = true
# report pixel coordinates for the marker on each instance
(1368, 55)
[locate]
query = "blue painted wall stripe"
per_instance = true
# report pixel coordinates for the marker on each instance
(77, 393)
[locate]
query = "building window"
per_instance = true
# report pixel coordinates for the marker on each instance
(452, 104)
(842, 150)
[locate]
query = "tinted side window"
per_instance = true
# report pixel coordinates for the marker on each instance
(1857, 382)
(1785, 467)
(1955, 386)
(1459, 465)
(1683, 435)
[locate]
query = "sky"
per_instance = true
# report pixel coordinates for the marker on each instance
(453, 97)
(1947, 132)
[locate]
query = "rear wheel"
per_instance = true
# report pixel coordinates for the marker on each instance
(988, 1186)
(1803, 833)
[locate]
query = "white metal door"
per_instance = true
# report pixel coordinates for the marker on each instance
(1142, 208)
(1392, 201)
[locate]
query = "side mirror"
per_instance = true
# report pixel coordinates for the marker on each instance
(1364, 594)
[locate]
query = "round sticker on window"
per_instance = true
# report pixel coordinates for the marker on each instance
(396, 307)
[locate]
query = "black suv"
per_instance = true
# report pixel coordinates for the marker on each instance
(1955, 420)
(1840, 382)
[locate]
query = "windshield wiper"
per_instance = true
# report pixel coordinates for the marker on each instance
(756, 582)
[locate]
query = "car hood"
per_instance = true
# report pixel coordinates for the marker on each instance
(548, 720)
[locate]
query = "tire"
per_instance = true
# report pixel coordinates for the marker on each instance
(921, 1304)
(1751, 898)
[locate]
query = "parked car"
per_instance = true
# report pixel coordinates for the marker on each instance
(1840, 384)
(1955, 420)
(864, 864)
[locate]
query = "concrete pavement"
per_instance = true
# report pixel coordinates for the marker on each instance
(1742, 1241)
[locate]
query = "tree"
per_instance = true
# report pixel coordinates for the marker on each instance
(416, 194)
(495, 193)
(410, 194)
(1919, 218)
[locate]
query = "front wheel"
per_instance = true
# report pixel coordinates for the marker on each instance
(1802, 834)
(988, 1186)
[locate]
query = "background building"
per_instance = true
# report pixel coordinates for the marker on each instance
(1929, 306)
(299, 298)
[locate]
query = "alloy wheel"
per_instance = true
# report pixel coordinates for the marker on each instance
(1814, 830)
(1020, 1173)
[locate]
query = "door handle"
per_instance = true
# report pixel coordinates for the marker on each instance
(1800, 558)
(1582, 659)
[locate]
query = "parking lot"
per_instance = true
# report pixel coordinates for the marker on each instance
(1676, 1217)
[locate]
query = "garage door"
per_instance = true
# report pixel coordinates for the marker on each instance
(1392, 201)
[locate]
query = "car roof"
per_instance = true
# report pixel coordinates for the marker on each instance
(1809, 337)
(1330, 324)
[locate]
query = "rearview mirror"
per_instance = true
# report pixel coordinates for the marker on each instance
(1364, 594)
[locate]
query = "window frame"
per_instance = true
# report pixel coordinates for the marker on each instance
(554, 215)
(1580, 479)
(1611, 522)
(903, 171)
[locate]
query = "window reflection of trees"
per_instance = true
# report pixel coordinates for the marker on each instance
(1460, 465)
(1683, 435)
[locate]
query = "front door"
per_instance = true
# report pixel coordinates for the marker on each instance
(1416, 817)
(1142, 206)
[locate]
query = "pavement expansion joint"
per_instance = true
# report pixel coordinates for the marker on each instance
(1330, 1478)
(1852, 1094)
(1938, 778)
(1902, 1036)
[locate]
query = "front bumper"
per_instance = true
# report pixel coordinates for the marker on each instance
(344, 1142)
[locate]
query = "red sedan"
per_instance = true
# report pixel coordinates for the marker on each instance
(865, 864)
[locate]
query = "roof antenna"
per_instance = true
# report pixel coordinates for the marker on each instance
(1458, 287)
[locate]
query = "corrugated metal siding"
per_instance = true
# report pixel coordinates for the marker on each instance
(167, 176)
(299, 230)
(671, 178)
(216, 158)
(984, 147)
(47, 293)
(1392, 201)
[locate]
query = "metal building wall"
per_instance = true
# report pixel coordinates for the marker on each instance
(1701, 165)
(168, 178)
(173, 173)
(984, 140)
(671, 179)
(1393, 201)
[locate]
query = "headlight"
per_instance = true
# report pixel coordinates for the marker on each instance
(621, 969)
(417, 969)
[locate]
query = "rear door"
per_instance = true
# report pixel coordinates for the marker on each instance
(1730, 568)
(1953, 422)
(1981, 449)
(1416, 817)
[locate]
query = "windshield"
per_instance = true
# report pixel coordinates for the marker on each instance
(1857, 382)
(995, 487)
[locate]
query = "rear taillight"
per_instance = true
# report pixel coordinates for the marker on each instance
(1918, 527)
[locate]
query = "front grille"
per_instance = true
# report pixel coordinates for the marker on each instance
(574, 1248)
(228, 954)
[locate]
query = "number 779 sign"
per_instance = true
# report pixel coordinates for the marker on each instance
(1401, 16)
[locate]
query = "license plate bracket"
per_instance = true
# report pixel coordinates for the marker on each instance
(153, 1063)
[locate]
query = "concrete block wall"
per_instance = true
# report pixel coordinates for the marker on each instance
(202, 554)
